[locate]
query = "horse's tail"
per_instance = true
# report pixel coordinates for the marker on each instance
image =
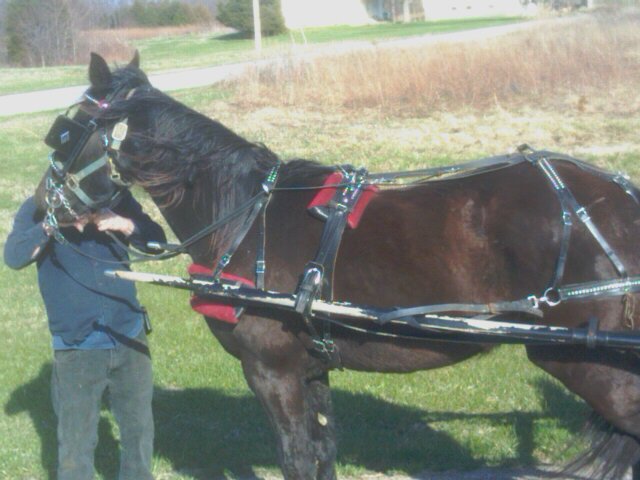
(610, 456)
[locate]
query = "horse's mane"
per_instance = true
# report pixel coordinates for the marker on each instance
(173, 151)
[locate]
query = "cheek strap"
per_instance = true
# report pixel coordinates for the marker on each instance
(72, 180)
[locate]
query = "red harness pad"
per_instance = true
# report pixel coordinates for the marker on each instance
(210, 308)
(325, 195)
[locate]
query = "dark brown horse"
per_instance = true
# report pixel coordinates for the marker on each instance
(482, 238)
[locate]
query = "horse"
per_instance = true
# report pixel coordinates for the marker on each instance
(485, 237)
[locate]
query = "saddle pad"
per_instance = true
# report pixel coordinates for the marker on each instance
(319, 203)
(210, 308)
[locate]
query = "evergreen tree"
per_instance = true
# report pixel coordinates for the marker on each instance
(238, 14)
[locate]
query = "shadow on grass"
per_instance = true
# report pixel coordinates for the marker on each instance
(34, 397)
(206, 433)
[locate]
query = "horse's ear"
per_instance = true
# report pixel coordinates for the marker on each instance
(99, 73)
(135, 61)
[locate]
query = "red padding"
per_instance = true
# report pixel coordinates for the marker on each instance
(325, 195)
(209, 308)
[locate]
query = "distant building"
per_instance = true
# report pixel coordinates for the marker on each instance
(441, 9)
(317, 13)
(308, 13)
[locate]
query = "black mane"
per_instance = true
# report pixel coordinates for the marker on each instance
(175, 152)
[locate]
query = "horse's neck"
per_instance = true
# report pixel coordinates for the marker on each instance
(201, 207)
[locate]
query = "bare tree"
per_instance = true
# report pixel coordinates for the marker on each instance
(44, 32)
(3, 32)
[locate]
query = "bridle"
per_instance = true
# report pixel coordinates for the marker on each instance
(68, 137)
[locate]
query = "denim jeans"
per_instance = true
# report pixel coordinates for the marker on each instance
(79, 379)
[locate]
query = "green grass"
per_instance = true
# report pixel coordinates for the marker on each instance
(494, 410)
(18, 80)
(200, 50)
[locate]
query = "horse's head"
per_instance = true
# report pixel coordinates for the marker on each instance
(83, 175)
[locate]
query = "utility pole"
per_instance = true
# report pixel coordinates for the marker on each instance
(257, 28)
(406, 11)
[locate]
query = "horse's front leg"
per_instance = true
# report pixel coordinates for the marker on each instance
(283, 394)
(322, 423)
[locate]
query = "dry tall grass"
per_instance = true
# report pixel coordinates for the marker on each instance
(117, 44)
(601, 51)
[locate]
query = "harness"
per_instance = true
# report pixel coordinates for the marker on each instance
(339, 204)
(315, 283)
(68, 139)
(317, 279)
(555, 293)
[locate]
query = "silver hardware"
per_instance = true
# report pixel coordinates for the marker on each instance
(583, 215)
(91, 99)
(551, 297)
(118, 134)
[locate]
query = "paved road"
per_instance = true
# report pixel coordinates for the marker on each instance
(60, 98)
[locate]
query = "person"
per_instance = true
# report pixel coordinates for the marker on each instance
(98, 330)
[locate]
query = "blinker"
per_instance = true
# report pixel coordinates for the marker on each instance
(68, 137)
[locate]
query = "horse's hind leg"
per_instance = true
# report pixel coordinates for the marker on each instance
(609, 381)
(282, 392)
(322, 424)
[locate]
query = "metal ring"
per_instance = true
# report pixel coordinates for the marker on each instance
(53, 198)
(551, 297)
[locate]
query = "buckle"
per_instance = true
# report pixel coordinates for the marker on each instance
(118, 134)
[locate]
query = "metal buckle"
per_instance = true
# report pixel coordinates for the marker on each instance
(118, 134)
(583, 215)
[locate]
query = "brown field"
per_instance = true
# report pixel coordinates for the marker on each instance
(582, 59)
(116, 44)
(573, 90)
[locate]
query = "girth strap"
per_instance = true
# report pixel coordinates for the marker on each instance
(317, 279)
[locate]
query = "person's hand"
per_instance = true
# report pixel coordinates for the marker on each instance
(81, 222)
(106, 220)
(78, 223)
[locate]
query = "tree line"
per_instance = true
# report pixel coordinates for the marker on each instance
(46, 32)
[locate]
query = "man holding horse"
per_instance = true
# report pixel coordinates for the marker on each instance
(98, 329)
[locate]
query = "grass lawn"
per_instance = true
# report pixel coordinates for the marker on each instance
(495, 410)
(199, 50)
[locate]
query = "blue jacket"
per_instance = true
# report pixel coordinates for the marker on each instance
(85, 308)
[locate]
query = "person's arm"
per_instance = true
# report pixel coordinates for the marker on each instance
(28, 237)
(129, 219)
